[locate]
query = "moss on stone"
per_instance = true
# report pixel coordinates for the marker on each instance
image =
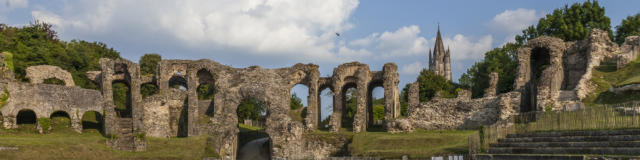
(4, 97)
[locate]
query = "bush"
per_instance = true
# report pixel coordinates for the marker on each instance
(45, 123)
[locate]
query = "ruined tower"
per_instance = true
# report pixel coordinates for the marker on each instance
(440, 59)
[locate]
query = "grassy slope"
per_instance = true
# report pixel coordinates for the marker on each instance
(606, 76)
(419, 144)
(66, 144)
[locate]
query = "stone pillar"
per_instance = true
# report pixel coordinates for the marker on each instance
(414, 97)
(76, 122)
(109, 114)
(192, 102)
(391, 94)
(319, 109)
(136, 98)
(360, 119)
(493, 85)
(336, 116)
(312, 105)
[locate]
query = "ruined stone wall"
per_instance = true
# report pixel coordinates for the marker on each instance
(44, 99)
(37, 74)
(442, 113)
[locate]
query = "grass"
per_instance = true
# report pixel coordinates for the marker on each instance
(606, 76)
(418, 144)
(67, 144)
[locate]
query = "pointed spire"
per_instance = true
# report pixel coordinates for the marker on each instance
(438, 49)
(430, 60)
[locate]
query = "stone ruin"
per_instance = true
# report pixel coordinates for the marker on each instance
(552, 75)
(178, 112)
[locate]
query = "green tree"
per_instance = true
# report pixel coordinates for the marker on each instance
(630, 26)
(430, 83)
(378, 112)
(295, 102)
(206, 91)
(569, 23)
(404, 100)
(502, 60)
(251, 108)
(149, 63)
(38, 44)
(148, 89)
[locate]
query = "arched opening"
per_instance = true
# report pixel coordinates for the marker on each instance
(60, 120)
(375, 107)
(206, 92)
(26, 116)
(92, 121)
(349, 105)
(122, 98)
(325, 108)
(539, 61)
(298, 102)
(148, 89)
(178, 82)
(54, 81)
(253, 142)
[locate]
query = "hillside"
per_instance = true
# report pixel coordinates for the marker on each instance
(606, 76)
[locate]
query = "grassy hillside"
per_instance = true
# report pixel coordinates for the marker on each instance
(606, 76)
(418, 144)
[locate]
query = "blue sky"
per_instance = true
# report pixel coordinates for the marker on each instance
(280, 33)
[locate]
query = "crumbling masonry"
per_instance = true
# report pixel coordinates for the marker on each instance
(176, 112)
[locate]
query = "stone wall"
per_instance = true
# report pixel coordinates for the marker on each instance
(44, 99)
(37, 74)
(442, 113)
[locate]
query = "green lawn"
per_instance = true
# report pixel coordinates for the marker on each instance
(67, 144)
(606, 76)
(418, 144)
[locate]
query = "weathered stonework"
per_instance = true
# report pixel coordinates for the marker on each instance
(628, 51)
(37, 74)
(493, 85)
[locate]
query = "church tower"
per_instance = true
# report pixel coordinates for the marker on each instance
(440, 59)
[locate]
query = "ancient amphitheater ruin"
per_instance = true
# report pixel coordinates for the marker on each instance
(562, 85)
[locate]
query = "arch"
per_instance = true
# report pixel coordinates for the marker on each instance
(92, 120)
(540, 59)
(298, 102)
(205, 84)
(54, 81)
(255, 132)
(122, 98)
(325, 96)
(349, 105)
(38, 74)
(60, 119)
(26, 116)
(376, 108)
(178, 82)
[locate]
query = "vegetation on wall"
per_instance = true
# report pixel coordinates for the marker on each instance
(4, 97)
(149, 63)
(630, 26)
(38, 44)
(53, 81)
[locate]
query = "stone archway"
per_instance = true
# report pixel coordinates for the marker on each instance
(26, 116)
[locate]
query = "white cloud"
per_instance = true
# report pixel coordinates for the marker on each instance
(405, 41)
(463, 48)
(512, 22)
(412, 69)
(274, 27)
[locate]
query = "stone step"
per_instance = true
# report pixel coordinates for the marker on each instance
(573, 139)
(566, 150)
(569, 144)
(527, 157)
(576, 133)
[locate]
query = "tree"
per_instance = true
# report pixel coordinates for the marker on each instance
(149, 63)
(630, 26)
(569, 23)
(38, 44)
(502, 60)
(430, 83)
(251, 108)
(295, 102)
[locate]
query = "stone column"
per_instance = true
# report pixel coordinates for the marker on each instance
(109, 114)
(192, 109)
(493, 85)
(414, 97)
(360, 119)
(136, 97)
(336, 116)
(391, 94)
(312, 105)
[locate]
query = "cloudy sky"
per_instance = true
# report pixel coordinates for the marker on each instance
(280, 33)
